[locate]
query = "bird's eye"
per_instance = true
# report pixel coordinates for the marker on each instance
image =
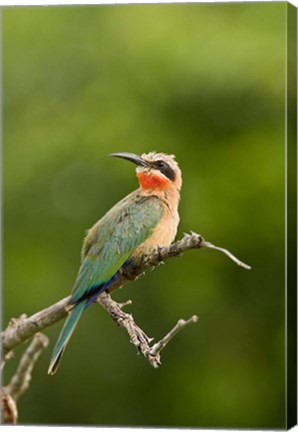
(165, 169)
(161, 164)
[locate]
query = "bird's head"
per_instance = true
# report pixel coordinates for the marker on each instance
(155, 170)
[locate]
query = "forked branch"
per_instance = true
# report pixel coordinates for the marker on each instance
(21, 380)
(137, 336)
(21, 329)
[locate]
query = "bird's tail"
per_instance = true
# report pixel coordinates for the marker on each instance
(65, 335)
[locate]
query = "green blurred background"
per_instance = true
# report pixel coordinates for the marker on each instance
(205, 82)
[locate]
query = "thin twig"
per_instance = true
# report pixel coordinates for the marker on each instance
(160, 345)
(137, 336)
(21, 380)
(229, 254)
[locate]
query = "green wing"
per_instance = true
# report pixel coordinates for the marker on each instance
(112, 239)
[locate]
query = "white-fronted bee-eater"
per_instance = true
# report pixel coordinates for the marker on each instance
(137, 225)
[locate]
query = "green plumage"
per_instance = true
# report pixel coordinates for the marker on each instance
(108, 244)
(113, 238)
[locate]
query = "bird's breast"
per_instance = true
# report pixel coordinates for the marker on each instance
(162, 235)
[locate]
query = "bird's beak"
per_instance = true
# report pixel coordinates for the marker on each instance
(132, 158)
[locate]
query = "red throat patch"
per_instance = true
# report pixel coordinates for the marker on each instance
(149, 180)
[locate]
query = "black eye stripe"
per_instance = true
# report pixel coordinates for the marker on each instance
(165, 169)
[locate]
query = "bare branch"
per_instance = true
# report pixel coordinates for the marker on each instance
(21, 329)
(21, 380)
(229, 254)
(156, 348)
(137, 336)
(190, 241)
(9, 412)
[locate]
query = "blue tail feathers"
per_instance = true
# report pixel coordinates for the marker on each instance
(73, 319)
(65, 335)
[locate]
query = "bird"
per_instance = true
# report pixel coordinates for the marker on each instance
(139, 224)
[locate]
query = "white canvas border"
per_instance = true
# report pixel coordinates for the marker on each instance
(13, 3)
